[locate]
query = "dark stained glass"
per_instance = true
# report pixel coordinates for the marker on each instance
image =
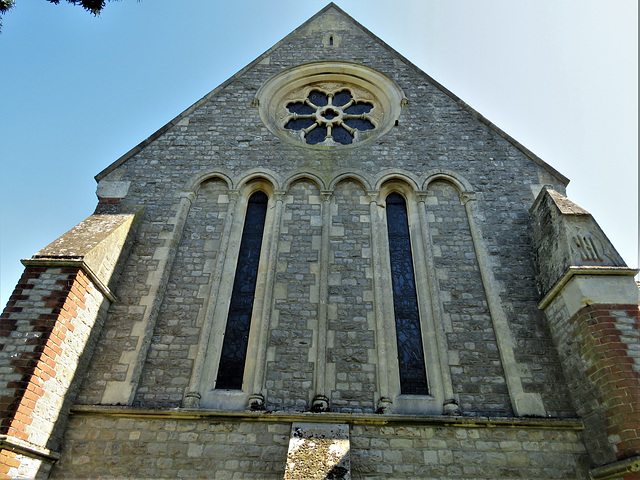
(341, 135)
(329, 114)
(319, 99)
(300, 108)
(236, 335)
(299, 123)
(359, 124)
(341, 98)
(359, 108)
(322, 113)
(317, 135)
(413, 377)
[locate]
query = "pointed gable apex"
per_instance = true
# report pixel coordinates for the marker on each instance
(323, 18)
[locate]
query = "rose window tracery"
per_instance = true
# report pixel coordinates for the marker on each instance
(327, 105)
(330, 114)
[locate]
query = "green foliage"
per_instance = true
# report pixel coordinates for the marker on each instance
(6, 5)
(93, 6)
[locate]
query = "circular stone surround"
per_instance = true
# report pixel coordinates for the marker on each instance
(329, 104)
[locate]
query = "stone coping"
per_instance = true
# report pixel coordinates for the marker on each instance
(27, 449)
(74, 263)
(330, 417)
(616, 469)
(583, 270)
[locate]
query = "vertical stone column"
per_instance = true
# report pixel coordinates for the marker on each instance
(48, 330)
(320, 401)
(383, 307)
(591, 303)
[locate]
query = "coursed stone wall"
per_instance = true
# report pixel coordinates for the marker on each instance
(112, 446)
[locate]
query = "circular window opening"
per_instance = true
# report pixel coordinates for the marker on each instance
(329, 104)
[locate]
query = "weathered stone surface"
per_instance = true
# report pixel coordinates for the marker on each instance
(322, 325)
(318, 451)
(566, 236)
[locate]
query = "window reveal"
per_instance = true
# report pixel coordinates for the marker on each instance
(236, 336)
(413, 378)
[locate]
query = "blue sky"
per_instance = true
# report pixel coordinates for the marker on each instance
(79, 91)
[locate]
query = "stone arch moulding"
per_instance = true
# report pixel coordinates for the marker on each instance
(461, 183)
(201, 391)
(194, 183)
(312, 177)
(396, 178)
(266, 176)
(380, 96)
(356, 177)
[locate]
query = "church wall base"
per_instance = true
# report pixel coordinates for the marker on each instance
(119, 441)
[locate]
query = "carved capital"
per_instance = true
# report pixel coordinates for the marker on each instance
(466, 197)
(326, 195)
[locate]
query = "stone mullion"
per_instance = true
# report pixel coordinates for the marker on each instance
(320, 400)
(192, 396)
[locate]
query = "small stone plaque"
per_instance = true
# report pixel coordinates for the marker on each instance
(318, 451)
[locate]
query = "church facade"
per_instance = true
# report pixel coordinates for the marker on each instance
(328, 267)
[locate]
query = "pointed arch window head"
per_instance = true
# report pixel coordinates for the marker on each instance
(411, 362)
(236, 336)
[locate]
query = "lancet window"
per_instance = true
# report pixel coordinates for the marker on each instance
(411, 363)
(236, 337)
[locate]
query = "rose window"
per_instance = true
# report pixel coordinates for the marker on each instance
(329, 116)
(326, 105)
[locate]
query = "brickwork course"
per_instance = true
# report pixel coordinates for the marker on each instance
(110, 352)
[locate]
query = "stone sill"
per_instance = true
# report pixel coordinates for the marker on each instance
(329, 417)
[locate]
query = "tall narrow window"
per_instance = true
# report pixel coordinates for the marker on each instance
(236, 335)
(413, 377)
